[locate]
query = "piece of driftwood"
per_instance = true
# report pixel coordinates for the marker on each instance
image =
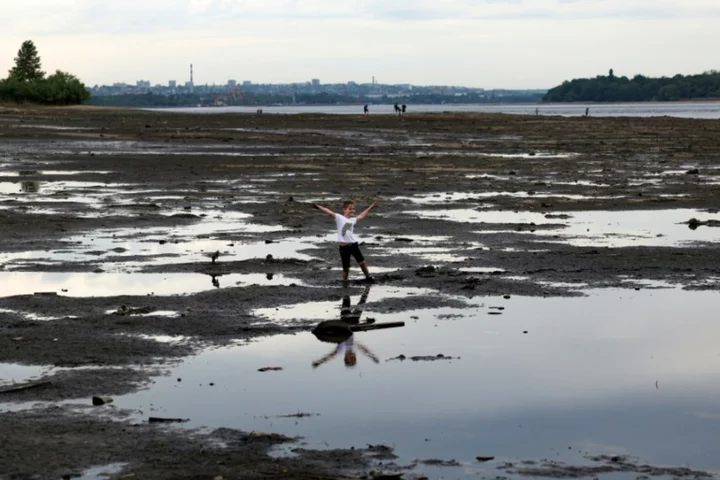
(363, 327)
(25, 386)
(337, 331)
(167, 420)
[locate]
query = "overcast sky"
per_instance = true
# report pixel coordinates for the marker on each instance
(479, 43)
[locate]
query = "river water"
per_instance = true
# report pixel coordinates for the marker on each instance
(707, 110)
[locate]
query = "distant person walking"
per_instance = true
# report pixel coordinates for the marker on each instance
(587, 112)
(366, 109)
(347, 241)
(396, 107)
(404, 107)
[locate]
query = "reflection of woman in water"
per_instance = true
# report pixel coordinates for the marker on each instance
(347, 347)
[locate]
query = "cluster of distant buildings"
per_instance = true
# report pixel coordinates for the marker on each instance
(350, 90)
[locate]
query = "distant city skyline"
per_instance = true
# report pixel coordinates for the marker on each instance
(518, 44)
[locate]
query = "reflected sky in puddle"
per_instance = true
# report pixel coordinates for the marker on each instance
(24, 173)
(117, 284)
(11, 373)
(434, 198)
(102, 473)
(327, 310)
(618, 371)
(597, 228)
(32, 315)
(179, 244)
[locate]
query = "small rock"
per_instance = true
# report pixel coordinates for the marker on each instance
(98, 401)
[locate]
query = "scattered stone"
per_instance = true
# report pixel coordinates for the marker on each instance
(98, 401)
(269, 369)
(692, 171)
(426, 271)
(484, 459)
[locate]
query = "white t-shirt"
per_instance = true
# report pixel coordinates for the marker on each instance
(345, 228)
(347, 345)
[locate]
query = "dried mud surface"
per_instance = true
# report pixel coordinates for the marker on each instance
(167, 169)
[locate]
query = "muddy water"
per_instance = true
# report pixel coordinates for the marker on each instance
(613, 372)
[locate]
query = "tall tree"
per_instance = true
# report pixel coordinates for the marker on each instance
(27, 64)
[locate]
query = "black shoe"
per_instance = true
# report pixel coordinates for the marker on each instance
(369, 279)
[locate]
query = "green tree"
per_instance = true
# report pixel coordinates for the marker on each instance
(62, 88)
(27, 64)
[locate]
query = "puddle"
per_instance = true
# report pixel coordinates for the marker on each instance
(39, 173)
(481, 270)
(104, 472)
(608, 371)
(133, 284)
(113, 249)
(11, 373)
(327, 310)
(597, 228)
(52, 127)
(32, 316)
(426, 199)
(177, 339)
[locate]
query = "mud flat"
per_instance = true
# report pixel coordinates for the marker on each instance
(139, 246)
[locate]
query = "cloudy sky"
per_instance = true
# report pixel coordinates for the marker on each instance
(480, 43)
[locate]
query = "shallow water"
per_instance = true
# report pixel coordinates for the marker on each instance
(118, 284)
(11, 373)
(616, 372)
(597, 228)
(645, 109)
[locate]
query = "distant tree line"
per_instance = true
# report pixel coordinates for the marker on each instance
(193, 100)
(640, 88)
(27, 83)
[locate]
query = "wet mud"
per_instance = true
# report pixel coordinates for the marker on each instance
(95, 191)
